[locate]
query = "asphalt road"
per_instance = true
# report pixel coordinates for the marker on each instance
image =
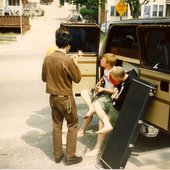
(25, 116)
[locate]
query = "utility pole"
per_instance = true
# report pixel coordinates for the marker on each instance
(20, 3)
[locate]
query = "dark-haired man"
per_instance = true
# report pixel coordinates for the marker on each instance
(53, 47)
(59, 71)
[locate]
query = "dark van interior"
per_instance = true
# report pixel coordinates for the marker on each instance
(155, 45)
(84, 39)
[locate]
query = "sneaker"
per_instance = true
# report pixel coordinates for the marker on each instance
(73, 160)
(148, 130)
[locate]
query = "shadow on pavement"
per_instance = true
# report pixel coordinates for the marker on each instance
(42, 137)
(41, 141)
(145, 144)
(41, 120)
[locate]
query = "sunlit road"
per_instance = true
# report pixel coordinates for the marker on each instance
(25, 116)
(25, 119)
(21, 88)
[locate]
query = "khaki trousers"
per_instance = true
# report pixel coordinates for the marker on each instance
(64, 107)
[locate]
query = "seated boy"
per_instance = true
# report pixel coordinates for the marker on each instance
(103, 94)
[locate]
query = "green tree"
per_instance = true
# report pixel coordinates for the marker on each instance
(82, 2)
(90, 11)
(135, 6)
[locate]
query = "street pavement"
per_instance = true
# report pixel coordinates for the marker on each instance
(25, 116)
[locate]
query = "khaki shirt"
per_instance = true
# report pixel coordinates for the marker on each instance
(58, 71)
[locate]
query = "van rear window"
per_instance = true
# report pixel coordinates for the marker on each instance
(85, 39)
(155, 46)
(122, 41)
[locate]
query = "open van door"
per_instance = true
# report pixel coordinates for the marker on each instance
(86, 39)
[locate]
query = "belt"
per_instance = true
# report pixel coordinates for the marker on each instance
(62, 95)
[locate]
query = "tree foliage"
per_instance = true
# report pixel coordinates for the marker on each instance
(92, 5)
(135, 6)
(89, 13)
(83, 2)
(90, 9)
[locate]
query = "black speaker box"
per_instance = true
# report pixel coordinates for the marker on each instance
(126, 130)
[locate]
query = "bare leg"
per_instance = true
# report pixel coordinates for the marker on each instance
(103, 117)
(91, 111)
(86, 97)
(86, 121)
(82, 129)
(100, 140)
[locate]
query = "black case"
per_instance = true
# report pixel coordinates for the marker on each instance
(126, 130)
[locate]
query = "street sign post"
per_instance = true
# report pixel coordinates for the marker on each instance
(121, 8)
(20, 3)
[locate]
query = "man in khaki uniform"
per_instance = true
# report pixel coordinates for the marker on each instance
(58, 71)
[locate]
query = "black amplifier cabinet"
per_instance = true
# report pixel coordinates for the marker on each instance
(126, 130)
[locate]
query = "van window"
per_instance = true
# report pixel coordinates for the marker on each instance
(122, 41)
(85, 39)
(155, 46)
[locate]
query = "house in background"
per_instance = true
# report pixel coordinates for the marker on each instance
(11, 18)
(168, 8)
(20, 7)
(155, 8)
(32, 8)
(3, 6)
(12, 7)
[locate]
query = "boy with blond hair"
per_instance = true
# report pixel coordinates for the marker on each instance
(103, 94)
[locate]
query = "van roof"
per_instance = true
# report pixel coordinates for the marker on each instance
(164, 20)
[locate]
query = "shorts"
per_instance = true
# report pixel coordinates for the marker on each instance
(103, 98)
(111, 112)
(106, 104)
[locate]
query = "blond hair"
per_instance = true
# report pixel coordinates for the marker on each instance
(110, 58)
(118, 72)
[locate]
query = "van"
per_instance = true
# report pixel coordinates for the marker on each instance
(140, 44)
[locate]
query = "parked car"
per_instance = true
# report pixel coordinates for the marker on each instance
(75, 18)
